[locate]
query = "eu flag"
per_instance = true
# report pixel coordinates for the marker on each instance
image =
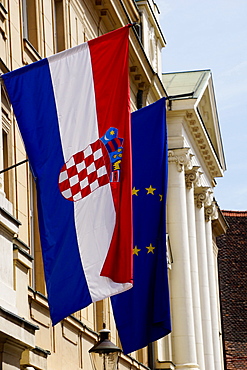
(142, 314)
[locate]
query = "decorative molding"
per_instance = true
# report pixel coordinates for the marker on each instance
(201, 196)
(202, 142)
(108, 19)
(133, 69)
(193, 176)
(181, 157)
(211, 212)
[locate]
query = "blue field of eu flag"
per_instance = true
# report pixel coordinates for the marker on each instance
(142, 314)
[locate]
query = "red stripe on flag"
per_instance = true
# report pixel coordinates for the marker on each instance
(110, 52)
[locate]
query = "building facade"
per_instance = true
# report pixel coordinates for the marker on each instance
(34, 29)
(232, 272)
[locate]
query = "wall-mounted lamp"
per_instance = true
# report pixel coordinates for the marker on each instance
(104, 354)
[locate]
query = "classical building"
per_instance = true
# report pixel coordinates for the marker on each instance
(233, 291)
(34, 29)
(195, 158)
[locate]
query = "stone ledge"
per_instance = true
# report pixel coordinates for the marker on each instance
(10, 316)
(36, 357)
(165, 365)
(8, 221)
(17, 329)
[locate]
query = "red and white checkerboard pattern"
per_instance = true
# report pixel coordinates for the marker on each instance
(83, 173)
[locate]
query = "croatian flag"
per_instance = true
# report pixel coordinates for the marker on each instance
(73, 111)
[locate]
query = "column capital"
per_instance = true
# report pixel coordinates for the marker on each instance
(193, 176)
(211, 212)
(202, 196)
(182, 157)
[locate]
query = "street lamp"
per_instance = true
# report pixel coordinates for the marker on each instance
(104, 354)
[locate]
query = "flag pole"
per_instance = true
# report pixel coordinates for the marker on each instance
(13, 166)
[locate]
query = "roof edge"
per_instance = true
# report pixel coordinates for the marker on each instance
(234, 213)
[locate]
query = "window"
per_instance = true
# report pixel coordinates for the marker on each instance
(29, 18)
(5, 163)
(6, 145)
(38, 279)
(59, 32)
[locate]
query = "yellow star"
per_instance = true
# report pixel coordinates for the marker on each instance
(112, 132)
(150, 248)
(161, 197)
(136, 250)
(135, 191)
(150, 190)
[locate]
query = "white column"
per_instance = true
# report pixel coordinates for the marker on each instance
(211, 213)
(183, 331)
(200, 198)
(192, 177)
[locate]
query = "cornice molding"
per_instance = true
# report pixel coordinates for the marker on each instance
(201, 137)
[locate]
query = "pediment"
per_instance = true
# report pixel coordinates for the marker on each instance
(191, 95)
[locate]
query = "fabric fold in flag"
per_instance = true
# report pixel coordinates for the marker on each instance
(142, 314)
(75, 124)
